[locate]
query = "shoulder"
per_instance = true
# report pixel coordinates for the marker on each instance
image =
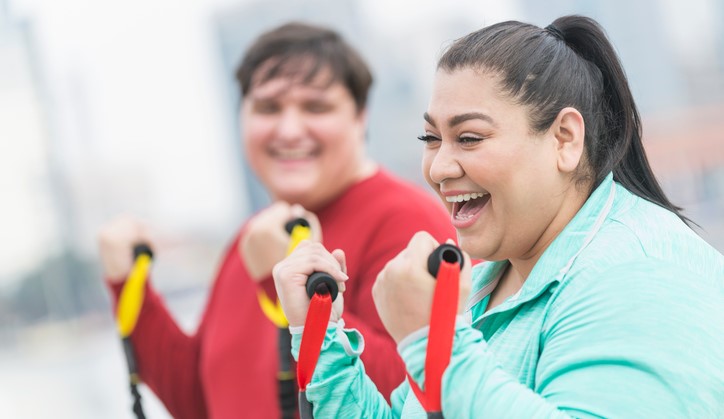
(646, 321)
(646, 294)
(639, 232)
(401, 191)
(398, 203)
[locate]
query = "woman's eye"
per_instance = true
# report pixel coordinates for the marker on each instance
(427, 138)
(469, 140)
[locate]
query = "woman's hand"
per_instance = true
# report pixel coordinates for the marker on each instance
(290, 279)
(265, 242)
(404, 288)
(116, 240)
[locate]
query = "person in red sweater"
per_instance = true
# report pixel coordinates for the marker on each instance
(304, 119)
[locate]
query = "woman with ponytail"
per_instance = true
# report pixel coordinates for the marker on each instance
(597, 300)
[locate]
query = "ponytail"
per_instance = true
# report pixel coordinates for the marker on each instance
(620, 146)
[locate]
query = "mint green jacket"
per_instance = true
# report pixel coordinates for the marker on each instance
(622, 316)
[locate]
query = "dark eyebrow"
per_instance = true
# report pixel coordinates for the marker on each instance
(459, 119)
(429, 120)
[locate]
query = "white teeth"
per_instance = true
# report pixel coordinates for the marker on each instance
(292, 154)
(465, 197)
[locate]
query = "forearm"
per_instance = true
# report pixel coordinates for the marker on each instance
(339, 385)
(382, 362)
(475, 384)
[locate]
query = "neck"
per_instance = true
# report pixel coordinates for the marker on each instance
(363, 170)
(523, 265)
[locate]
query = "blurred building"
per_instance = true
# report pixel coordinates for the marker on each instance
(686, 151)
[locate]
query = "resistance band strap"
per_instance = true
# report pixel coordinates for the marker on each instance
(315, 327)
(137, 407)
(272, 310)
(440, 338)
(134, 379)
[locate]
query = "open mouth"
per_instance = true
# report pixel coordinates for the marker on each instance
(467, 206)
(293, 154)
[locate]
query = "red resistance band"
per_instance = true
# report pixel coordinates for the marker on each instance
(315, 327)
(322, 290)
(440, 337)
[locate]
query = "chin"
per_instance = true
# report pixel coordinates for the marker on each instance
(288, 188)
(294, 197)
(478, 249)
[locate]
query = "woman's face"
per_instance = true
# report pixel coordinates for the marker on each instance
(500, 182)
(305, 141)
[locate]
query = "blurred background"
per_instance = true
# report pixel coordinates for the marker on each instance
(111, 107)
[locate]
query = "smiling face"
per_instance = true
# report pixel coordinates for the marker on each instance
(304, 140)
(502, 183)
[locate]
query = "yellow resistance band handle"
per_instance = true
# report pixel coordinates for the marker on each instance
(131, 299)
(298, 230)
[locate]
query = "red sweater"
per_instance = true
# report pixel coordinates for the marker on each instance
(228, 368)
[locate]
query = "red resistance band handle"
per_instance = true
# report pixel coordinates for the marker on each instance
(444, 264)
(322, 290)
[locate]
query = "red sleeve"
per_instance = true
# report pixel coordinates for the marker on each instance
(167, 358)
(380, 357)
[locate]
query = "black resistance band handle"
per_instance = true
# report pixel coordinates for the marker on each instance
(445, 252)
(289, 226)
(322, 283)
(142, 249)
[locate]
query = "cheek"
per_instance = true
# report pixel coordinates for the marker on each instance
(426, 165)
(336, 132)
(258, 127)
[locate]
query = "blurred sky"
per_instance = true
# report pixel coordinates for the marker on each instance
(109, 107)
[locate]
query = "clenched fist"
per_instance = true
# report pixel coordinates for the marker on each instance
(116, 241)
(265, 242)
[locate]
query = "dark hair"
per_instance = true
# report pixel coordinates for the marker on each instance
(570, 63)
(301, 50)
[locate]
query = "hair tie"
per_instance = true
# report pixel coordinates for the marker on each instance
(555, 32)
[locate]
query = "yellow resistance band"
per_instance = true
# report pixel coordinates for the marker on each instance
(131, 300)
(273, 311)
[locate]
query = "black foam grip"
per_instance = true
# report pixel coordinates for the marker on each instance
(142, 249)
(322, 283)
(447, 252)
(288, 398)
(305, 407)
(289, 226)
(130, 355)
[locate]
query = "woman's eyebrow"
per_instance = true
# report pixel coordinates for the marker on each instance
(458, 119)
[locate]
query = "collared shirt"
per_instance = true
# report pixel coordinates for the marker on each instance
(622, 316)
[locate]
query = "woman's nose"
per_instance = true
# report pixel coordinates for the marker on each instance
(445, 164)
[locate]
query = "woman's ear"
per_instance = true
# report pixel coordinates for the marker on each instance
(569, 131)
